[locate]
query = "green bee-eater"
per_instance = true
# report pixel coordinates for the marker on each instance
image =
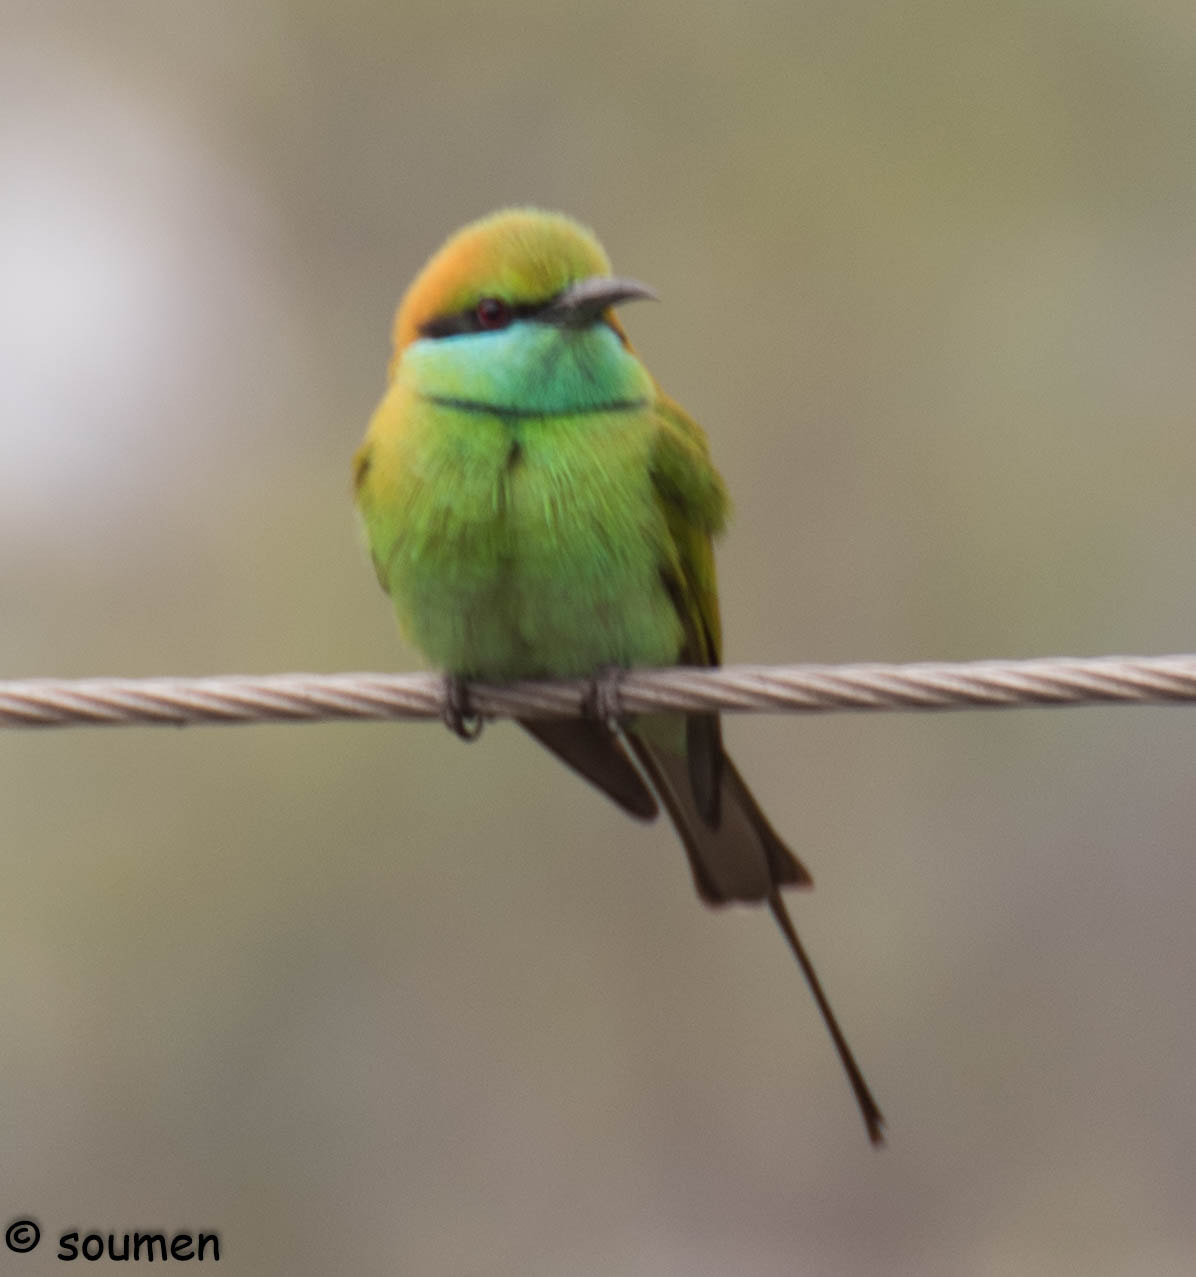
(535, 506)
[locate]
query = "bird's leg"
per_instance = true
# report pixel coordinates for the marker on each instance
(603, 701)
(873, 1118)
(458, 713)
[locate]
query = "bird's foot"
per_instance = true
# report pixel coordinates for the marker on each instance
(603, 701)
(458, 713)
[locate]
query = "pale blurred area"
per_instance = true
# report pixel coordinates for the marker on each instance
(365, 1000)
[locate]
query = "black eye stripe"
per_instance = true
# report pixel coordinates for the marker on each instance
(466, 321)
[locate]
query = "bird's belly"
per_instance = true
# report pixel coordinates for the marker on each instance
(545, 564)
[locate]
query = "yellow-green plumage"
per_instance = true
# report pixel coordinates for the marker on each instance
(535, 506)
(503, 557)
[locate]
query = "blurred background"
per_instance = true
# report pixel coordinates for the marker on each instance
(362, 999)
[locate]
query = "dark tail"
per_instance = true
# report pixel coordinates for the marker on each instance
(739, 856)
(873, 1117)
(734, 853)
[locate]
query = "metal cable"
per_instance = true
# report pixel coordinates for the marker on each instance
(270, 698)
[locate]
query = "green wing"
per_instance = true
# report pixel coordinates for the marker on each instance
(694, 503)
(734, 853)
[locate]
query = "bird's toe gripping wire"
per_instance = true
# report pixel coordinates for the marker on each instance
(459, 715)
(603, 700)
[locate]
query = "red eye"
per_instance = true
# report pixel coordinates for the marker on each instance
(492, 312)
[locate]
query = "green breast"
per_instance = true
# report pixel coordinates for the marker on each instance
(511, 508)
(530, 545)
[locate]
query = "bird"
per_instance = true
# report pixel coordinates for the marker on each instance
(536, 506)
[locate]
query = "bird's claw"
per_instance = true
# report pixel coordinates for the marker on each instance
(603, 700)
(458, 713)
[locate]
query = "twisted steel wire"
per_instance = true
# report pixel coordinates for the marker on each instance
(123, 702)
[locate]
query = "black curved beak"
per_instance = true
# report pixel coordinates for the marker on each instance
(584, 302)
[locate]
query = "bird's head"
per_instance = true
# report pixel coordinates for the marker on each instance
(515, 311)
